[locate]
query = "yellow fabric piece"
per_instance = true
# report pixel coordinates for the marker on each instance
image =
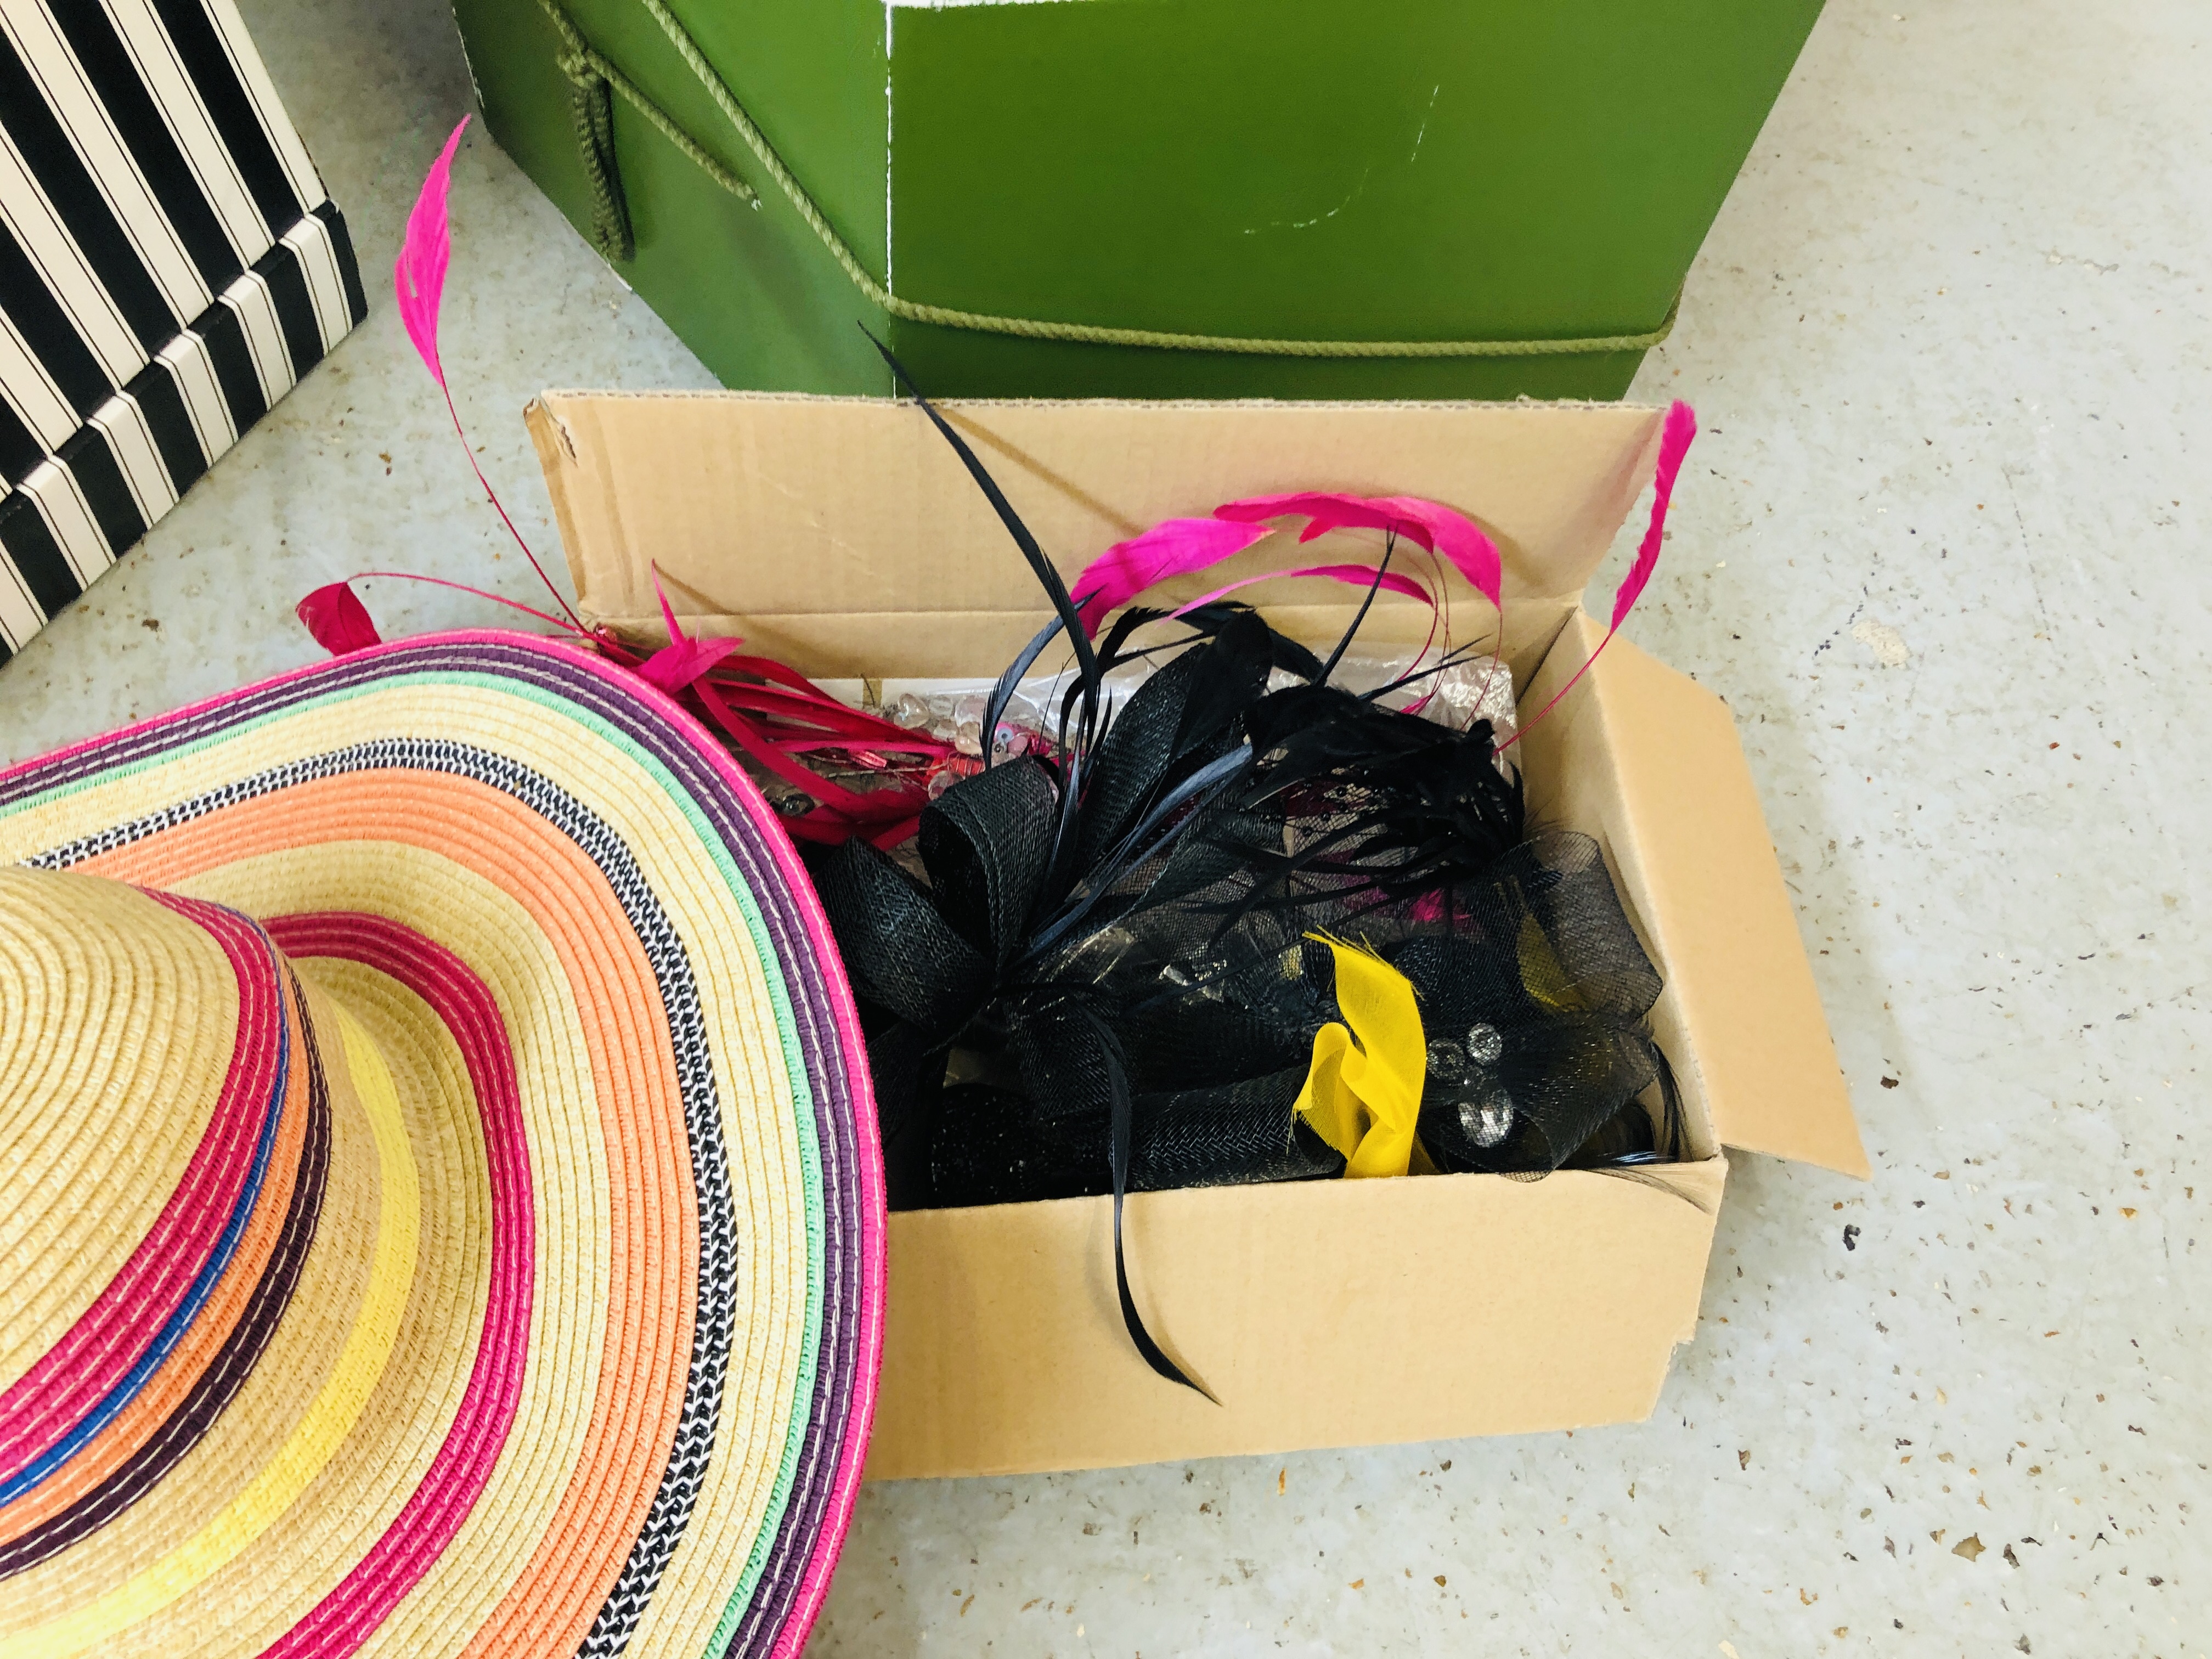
(325, 1423)
(1362, 1093)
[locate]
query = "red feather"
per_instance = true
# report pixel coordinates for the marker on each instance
(338, 620)
(683, 659)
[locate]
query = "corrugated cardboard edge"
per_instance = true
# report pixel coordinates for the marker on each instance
(558, 460)
(1688, 835)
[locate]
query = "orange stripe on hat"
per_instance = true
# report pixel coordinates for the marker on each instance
(653, 1231)
(139, 1420)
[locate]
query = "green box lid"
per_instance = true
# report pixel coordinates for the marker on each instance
(1499, 175)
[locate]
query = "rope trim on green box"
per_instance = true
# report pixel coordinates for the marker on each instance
(591, 75)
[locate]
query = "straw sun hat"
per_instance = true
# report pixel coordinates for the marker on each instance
(439, 1211)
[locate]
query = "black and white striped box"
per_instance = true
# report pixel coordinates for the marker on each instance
(170, 265)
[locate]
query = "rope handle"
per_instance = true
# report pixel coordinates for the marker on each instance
(594, 78)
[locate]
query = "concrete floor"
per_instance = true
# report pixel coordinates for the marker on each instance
(1943, 546)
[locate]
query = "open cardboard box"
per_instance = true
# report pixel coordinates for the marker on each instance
(843, 537)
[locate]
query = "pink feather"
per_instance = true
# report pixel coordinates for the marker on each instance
(418, 282)
(1358, 576)
(1673, 444)
(683, 659)
(418, 275)
(1425, 523)
(338, 620)
(1363, 575)
(1173, 547)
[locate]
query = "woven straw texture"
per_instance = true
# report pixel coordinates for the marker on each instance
(444, 1214)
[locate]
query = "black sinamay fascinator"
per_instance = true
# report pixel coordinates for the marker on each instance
(1252, 927)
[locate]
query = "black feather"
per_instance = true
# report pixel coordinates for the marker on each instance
(1048, 577)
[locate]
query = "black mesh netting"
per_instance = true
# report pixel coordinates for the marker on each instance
(1153, 938)
(1111, 976)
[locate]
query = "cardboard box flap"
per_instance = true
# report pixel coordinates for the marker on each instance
(1681, 824)
(1320, 1313)
(843, 535)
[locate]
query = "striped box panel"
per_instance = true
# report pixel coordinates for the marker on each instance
(170, 265)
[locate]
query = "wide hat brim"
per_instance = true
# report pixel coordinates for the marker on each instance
(620, 1396)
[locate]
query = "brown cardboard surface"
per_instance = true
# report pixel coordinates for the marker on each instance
(844, 537)
(821, 529)
(1321, 1314)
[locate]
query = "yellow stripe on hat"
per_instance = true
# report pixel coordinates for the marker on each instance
(118, 1021)
(326, 1422)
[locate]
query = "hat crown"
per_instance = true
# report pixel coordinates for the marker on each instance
(120, 1020)
(164, 1122)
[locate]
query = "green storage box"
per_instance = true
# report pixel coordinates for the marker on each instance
(1407, 198)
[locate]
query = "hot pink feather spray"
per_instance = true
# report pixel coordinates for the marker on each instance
(418, 282)
(773, 719)
(1170, 548)
(1675, 438)
(1424, 523)
(683, 659)
(1176, 547)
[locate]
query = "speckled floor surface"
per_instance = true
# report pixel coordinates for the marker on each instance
(1943, 548)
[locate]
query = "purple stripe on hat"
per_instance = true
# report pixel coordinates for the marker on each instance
(233, 1363)
(824, 1058)
(64, 1438)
